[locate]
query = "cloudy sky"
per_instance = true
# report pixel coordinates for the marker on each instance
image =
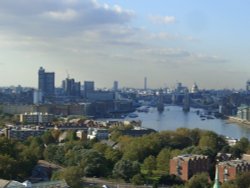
(168, 41)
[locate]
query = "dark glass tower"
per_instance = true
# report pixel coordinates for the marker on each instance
(46, 82)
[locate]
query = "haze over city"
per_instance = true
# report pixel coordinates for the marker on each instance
(106, 40)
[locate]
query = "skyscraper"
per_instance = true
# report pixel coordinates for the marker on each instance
(89, 87)
(145, 83)
(46, 82)
(248, 86)
(71, 88)
(115, 86)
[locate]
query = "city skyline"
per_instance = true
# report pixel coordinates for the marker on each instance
(106, 40)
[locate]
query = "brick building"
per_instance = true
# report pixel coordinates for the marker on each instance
(228, 170)
(185, 166)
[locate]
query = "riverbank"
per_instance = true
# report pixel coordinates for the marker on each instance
(232, 119)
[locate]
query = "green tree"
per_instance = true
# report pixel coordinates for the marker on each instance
(162, 160)
(113, 155)
(71, 136)
(93, 163)
(243, 180)
(125, 169)
(137, 179)
(100, 147)
(211, 140)
(8, 167)
(229, 184)
(149, 165)
(48, 138)
(199, 181)
(7, 147)
(54, 153)
(72, 175)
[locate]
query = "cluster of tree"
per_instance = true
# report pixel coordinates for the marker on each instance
(17, 159)
(137, 160)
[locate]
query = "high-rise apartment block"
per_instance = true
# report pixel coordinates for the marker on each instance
(46, 82)
(185, 166)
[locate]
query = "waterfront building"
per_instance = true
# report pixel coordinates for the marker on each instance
(194, 88)
(101, 96)
(160, 103)
(46, 82)
(186, 102)
(243, 112)
(228, 170)
(185, 166)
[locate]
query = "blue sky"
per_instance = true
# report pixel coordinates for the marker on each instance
(168, 41)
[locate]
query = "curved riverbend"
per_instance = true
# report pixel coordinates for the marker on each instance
(173, 117)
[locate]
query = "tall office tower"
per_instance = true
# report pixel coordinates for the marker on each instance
(145, 83)
(248, 86)
(46, 82)
(70, 87)
(115, 86)
(89, 87)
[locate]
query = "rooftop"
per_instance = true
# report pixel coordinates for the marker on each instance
(187, 157)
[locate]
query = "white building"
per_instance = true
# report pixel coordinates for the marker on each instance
(99, 134)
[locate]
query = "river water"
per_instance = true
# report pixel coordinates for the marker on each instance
(173, 117)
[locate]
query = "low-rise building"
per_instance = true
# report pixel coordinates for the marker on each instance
(99, 134)
(185, 166)
(22, 134)
(228, 170)
(36, 117)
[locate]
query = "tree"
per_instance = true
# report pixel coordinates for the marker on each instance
(125, 169)
(149, 165)
(71, 136)
(112, 156)
(211, 140)
(48, 138)
(7, 167)
(54, 153)
(137, 179)
(240, 147)
(100, 147)
(72, 175)
(7, 147)
(243, 180)
(93, 163)
(198, 181)
(162, 160)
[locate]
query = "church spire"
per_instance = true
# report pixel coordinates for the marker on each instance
(216, 179)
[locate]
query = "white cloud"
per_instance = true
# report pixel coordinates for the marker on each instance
(162, 19)
(170, 36)
(61, 17)
(66, 15)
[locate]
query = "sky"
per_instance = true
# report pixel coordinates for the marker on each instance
(167, 41)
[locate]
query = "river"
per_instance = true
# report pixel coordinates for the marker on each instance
(173, 117)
